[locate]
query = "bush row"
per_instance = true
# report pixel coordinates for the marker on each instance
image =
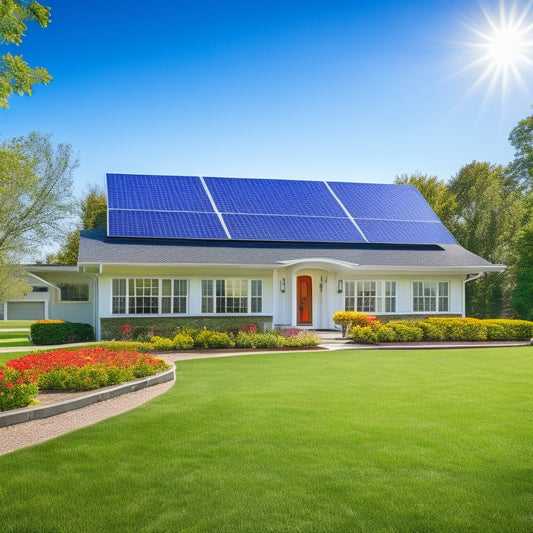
(443, 329)
(142, 328)
(188, 339)
(46, 332)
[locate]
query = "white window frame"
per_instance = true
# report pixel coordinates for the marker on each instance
(232, 296)
(154, 290)
(381, 300)
(435, 296)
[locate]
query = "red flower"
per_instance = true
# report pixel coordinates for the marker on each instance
(10, 385)
(126, 329)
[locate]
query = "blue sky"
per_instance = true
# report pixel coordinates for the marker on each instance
(358, 91)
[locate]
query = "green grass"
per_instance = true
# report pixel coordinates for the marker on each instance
(16, 324)
(9, 339)
(341, 441)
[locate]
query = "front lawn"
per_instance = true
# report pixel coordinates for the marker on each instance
(340, 441)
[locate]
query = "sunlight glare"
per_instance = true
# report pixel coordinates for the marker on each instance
(503, 48)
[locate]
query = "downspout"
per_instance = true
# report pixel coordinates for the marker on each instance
(465, 281)
(96, 293)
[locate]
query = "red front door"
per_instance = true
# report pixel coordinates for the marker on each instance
(304, 301)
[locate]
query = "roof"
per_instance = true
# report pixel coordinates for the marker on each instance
(272, 210)
(97, 248)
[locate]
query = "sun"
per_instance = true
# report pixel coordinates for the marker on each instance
(501, 48)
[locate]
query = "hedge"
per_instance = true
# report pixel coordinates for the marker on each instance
(443, 329)
(46, 332)
(143, 327)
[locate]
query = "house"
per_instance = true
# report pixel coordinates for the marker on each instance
(279, 253)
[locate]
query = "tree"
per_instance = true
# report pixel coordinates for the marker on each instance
(16, 76)
(35, 193)
(520, 169)
(435, 192)
(489, 213)
(12, 282)
(523, 294)
(93, 215)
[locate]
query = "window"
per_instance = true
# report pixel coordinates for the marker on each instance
(431, 296)
(149, 296)
(232, 296)
(119, 296)
(370, 296)
(39, 288)
(74, 292)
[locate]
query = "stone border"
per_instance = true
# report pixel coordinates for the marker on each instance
(25, 414)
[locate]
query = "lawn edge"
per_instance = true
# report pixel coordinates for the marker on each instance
(26, 414)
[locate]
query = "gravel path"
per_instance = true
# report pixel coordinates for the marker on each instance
(28, 433)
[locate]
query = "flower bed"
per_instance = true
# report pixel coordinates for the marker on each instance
(85, 369)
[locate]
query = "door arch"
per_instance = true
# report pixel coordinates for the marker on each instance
(304, 300)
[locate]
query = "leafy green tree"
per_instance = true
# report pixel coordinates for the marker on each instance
(93, 215)
(16, 76)
(489, 214)
(523, 294)
(36, 199)
(436, 193)
(12, 282)
(520, 169)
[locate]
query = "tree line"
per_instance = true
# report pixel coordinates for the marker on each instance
(489, 210)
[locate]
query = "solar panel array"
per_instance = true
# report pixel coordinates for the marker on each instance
(191, 207)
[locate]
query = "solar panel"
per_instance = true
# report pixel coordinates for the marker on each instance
(164, 224)
(388, 202)
(291, 228)
(190, 207)
(273, 197)
(405, 232)
(158, 193)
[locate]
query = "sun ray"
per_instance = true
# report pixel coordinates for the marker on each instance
(501, 50)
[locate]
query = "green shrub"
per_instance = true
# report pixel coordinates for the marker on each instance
(385, 333)
(267, 340)
(162, 344)
(363, 335)
(212, 339)
(461, 329)
(15, 389)
(431, 332)
(406, 331)
(516, 330)
(89, 377)
(127, 346)
(183, 341)
(47, 332)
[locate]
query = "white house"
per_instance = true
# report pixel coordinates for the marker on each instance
(271, 252)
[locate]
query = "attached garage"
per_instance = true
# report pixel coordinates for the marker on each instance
(25, 310)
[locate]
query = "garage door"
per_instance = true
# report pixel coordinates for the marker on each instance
(25, 310)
